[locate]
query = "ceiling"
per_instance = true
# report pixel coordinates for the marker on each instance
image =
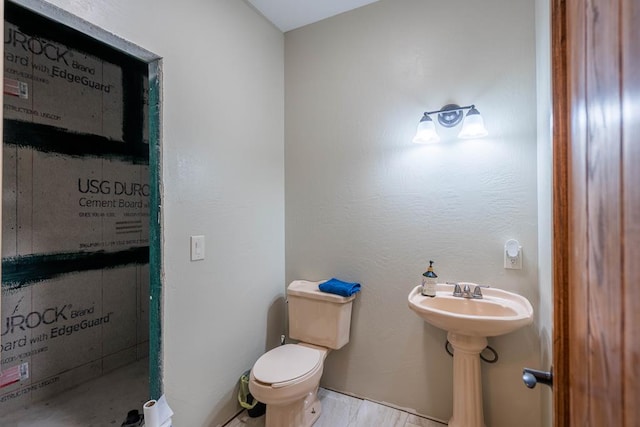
(290, 14)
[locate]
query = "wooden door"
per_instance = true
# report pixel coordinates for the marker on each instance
(596, 69)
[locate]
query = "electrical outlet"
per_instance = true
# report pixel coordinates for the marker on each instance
(513, 255)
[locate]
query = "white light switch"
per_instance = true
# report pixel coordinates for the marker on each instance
(197, 248)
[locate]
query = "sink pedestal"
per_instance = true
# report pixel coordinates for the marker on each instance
(467, 380)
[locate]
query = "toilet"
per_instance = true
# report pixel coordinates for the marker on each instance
(286, 378)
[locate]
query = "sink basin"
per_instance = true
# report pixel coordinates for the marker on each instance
(498, 313)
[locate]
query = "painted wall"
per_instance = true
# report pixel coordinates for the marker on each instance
(365, 204)
(545, 193)
(222, 160)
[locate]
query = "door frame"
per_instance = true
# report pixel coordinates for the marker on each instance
(560, 152)
(154, 62)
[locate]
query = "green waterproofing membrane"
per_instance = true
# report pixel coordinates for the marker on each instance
(155, 233)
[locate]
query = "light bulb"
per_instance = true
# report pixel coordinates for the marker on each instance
(426, 132)
(473, 126)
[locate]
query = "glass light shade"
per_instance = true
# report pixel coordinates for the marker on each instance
(426, 132)
(473, 126)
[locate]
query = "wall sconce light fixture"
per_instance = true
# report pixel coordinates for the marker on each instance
(449, 116)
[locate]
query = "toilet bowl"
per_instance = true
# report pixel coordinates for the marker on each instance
(286, 378)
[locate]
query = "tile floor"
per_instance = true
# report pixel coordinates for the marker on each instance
(102, 402)
(340, 410)
(105, 401)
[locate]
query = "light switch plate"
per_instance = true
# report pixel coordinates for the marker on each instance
(197, 248)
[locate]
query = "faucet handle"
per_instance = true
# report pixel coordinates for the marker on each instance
(457, 292)
(477, 291)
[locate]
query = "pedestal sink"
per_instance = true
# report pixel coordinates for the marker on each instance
(468, 323)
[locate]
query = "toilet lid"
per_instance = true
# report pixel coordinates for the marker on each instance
(286, 363)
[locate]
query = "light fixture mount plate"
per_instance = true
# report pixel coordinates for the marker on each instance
(450, 115)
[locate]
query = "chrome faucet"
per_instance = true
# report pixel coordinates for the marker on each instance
(465, 291)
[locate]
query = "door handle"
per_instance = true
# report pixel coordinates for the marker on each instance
(531, 377)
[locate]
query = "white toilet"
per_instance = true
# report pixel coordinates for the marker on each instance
(286, 378)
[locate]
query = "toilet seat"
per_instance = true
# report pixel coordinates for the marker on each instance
(287, 364)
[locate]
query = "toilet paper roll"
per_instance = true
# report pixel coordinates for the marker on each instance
(157, 413)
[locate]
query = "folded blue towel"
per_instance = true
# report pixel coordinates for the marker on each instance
(338, 287)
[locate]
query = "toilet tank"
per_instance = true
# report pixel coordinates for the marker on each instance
(317, 317)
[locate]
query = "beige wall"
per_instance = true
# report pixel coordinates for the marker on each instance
(545, 215)
(365, 204)
(222, 150)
